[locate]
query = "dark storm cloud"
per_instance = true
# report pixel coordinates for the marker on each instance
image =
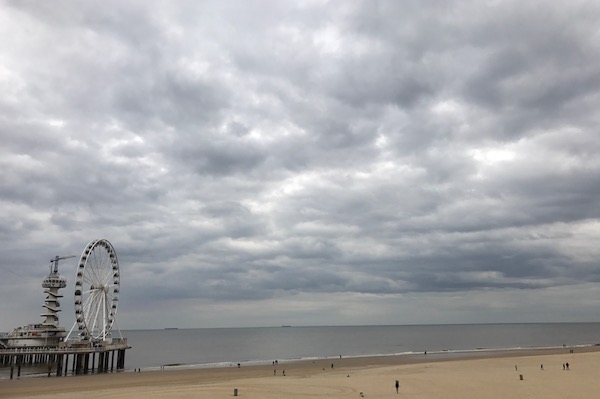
(301, 157)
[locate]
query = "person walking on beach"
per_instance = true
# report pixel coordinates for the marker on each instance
(397, 385)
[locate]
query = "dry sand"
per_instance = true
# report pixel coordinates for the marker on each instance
(489, 376)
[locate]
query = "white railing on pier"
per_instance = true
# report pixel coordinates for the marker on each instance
(116, 344)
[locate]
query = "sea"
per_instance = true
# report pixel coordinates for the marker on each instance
(213, 347)
(219, 347)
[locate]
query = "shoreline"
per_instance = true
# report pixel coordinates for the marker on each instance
(132, 384)
(442, 355)
(384, 359)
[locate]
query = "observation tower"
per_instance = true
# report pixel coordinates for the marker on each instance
(48, 333)
(52, 284)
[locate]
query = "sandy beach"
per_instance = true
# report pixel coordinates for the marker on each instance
(486, 376)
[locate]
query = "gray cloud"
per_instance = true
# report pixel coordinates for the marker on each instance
(415, 162)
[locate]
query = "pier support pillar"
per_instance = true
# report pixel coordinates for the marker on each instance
(101, 362)
(86, 362)
(121, 359)
(66, 363)
(59, 363)
(80, 358)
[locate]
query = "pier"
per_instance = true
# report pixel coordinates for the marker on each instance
(67, 359)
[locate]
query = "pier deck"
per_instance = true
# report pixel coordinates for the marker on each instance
(85, 357)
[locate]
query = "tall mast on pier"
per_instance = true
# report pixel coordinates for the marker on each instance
(52, 284)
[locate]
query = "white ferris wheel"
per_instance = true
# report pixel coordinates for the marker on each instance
(97, 287)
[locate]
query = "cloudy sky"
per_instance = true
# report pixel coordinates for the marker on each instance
(259, 163)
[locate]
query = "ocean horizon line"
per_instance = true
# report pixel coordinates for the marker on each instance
(363, 325)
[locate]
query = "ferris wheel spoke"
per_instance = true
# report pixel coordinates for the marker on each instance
(99, 260)
(94, 276)
(89, 306)
(89, 300)
(87, 291)
(94, 271)
(93, 313)
(94, 282)
(97, 310)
